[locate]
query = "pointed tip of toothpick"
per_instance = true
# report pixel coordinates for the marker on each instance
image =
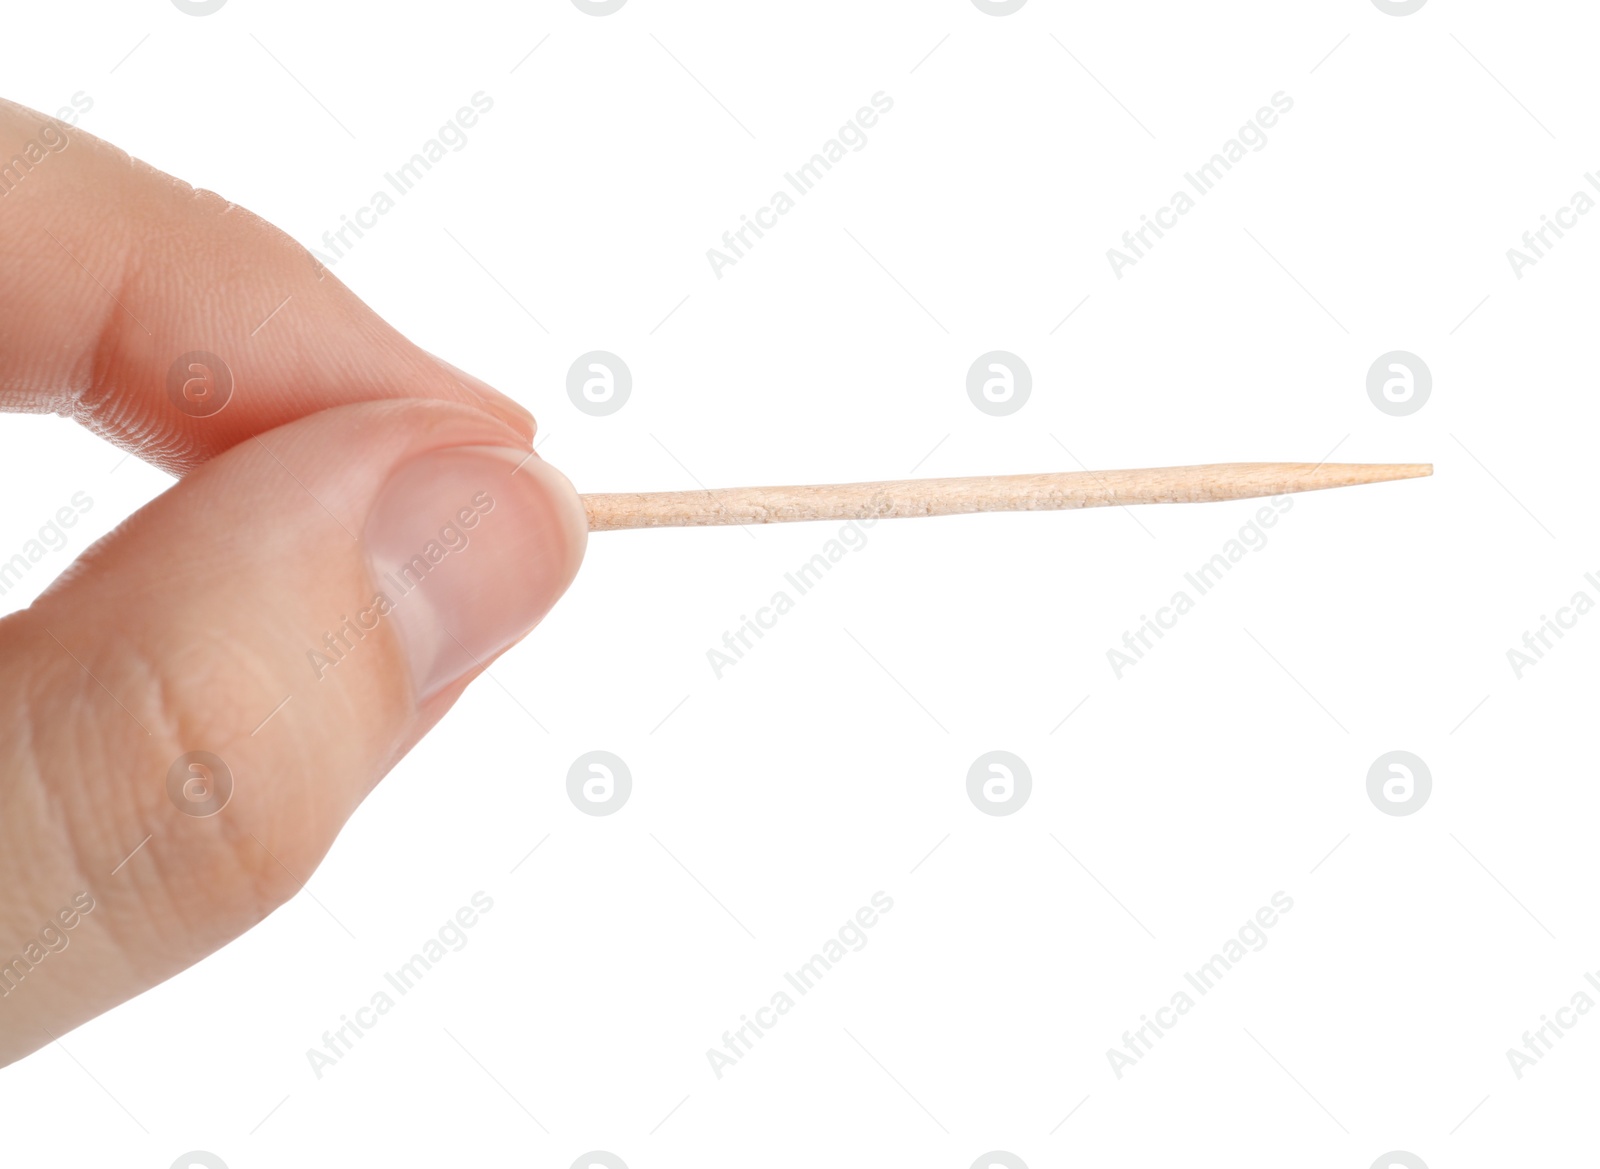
(1245, 480)
(1379, 472)
(1383, 472)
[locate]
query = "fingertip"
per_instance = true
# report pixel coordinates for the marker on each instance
(501, 405)
(469, 547)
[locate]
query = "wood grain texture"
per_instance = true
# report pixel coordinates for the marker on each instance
(1055, 491)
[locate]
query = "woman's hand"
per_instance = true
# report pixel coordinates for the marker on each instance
(191, 712)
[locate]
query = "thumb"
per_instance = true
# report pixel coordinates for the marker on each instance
(191, 713)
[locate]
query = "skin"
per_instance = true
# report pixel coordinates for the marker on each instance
(187, 625)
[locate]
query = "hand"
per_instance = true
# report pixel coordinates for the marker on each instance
(357, 531)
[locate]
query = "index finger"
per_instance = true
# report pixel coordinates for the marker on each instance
(171, 321)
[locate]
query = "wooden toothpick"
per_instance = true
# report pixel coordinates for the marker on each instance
(930, 497)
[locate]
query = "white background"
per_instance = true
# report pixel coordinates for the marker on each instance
(1228, 765)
